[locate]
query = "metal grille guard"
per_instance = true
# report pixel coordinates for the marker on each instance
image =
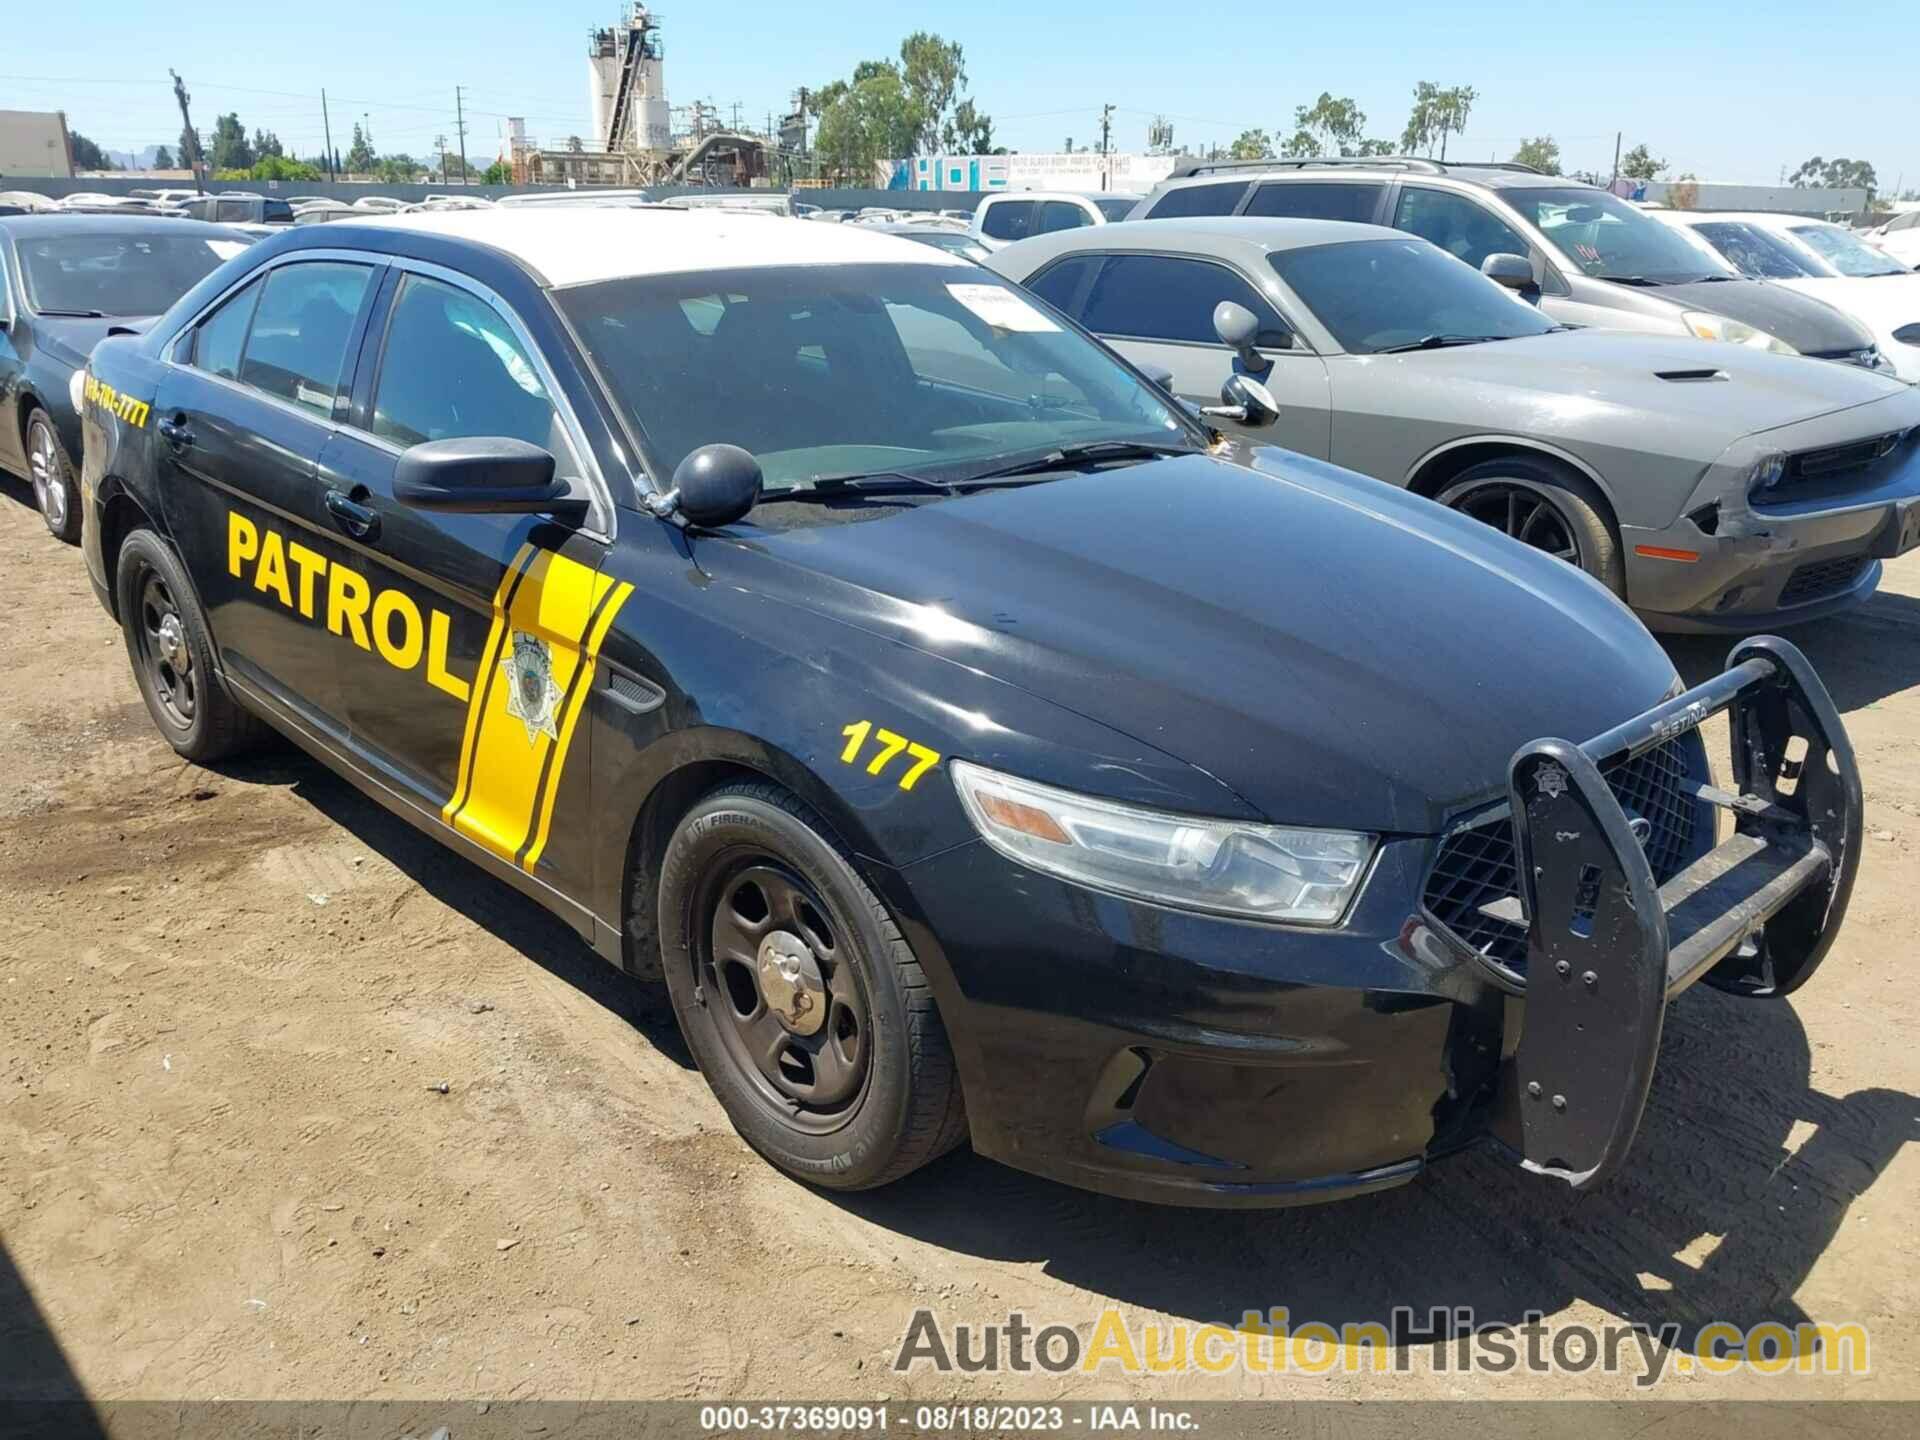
(1607, 948)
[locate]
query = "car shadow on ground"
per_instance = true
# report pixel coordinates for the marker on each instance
(1863, 656)
(1739, 1179)
(460, 885)
(39, 1392)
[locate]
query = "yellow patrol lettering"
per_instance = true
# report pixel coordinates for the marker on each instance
(243, 543)
(312, 565)
(402, 653)
(271, 577)
(348, 599)
(438, 630)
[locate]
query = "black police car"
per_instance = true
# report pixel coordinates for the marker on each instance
(823, 622)
(65, 281)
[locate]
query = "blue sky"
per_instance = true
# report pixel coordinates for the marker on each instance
(1729, 92)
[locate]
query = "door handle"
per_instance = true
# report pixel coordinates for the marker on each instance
(362, 522)
(176, 432)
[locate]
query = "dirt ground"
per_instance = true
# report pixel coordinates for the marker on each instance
(228, 999)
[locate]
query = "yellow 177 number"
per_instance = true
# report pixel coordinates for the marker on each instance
(888, 746)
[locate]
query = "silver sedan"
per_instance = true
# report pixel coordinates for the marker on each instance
(1713, 486)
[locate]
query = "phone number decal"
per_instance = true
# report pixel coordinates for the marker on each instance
(123, 407)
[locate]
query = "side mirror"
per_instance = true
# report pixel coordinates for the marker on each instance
(1158, 376)
(1513, 271)
(483, 475)
(717, 484)
(1238, 328)
(1245, 401)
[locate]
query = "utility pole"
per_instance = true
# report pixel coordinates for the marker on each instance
(1106, 146)
(326, 127)
(187, 137)
(460, 127)
(440, 144)
(1616, 158)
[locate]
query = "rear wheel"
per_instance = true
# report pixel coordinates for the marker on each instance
(172, 654)
(1542, 503)
(55, 491)
(808, 1014)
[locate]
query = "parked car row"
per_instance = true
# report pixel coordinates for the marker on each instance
(976, 743)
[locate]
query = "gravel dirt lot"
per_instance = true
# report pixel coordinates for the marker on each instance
(293, 1103)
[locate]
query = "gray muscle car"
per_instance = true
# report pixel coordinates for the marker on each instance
(1713, 486)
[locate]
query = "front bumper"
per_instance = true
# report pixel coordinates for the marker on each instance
(1187, 1059)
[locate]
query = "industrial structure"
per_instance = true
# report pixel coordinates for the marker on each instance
(633, 141)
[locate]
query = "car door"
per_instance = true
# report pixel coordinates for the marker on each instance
(13, 364)
(1157, 310)
(243, 411)
(481, 631)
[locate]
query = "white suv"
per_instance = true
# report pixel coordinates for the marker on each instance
(1019, 214)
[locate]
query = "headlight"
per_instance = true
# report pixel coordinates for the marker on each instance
(1765, 474)
(1225, 867)
(77, 389)
(1703, 326)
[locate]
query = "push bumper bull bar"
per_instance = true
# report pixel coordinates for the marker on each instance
(1607, 947)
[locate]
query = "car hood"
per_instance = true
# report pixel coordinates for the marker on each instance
(71, 338)
(1571, 373)
(1334, 650)
(1811, 326)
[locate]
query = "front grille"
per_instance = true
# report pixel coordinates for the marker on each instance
(1475, 867)
(1818, 464)
(1821, 579)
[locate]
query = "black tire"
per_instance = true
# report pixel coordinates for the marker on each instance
(1568, 514)
(907, 1109)
(56, 489)
(173, 663)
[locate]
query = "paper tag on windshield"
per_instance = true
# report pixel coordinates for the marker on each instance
(1000, 308)
(226, 249)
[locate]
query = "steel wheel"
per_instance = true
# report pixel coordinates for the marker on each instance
(1526, 513)
(161, 637)
(787, 1004)
(45, 470)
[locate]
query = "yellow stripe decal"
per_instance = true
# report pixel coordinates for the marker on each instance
(482, 678)
(516, 733)
(576, 702)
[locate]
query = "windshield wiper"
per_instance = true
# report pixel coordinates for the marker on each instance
(1066, 456)
(75, 314)
(1646, 281)
(879, 482)
(1439, 342)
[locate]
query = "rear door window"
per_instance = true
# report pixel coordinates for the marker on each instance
(234, 210)
(298, 342)
(1008, 220)
(1059, 215)
(1318, 200)
(1219, 199)
(1061, 283)
(1167, 297)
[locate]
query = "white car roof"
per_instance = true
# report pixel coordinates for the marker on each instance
(580, 246)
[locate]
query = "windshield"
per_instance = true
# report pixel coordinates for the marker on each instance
(1755, 252)
(1376, 295)
(1115, 207)
(925, 370)
(117, 274)
(1610, 240)
(1845, 254)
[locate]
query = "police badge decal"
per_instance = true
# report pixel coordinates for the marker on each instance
(532, 697)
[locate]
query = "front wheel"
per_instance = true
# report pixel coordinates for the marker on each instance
(54, 489)
(804, 1007)
(1546, 505)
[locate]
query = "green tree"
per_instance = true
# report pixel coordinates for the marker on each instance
(86, 154)
(266, 143)
(1438, 112)
(1252, 145)
(1542, 152)
(498, 173)
(969, 132)
(1301, 145)
(162, 158)
(1640, 163)
(873, 120)
(359, 153)
(280, 167)
(934, 72)
(399, 168)
(1828, 174)
(231, 149)
(1333, 122)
